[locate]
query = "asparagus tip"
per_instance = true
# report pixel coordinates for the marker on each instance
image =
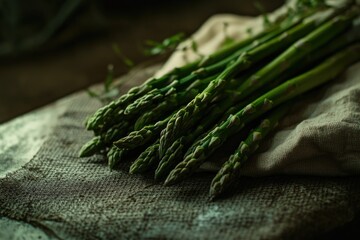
(91, 147)
(133, 169)
(81, 153)
(169, 181)
(172, 178)
(111, 163)
(85, 151)
(213, 194)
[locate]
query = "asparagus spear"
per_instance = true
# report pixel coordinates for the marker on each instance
(164, 107)
(142, 136)
(191, 113)
(146, 159)
(150, 157)
(91, 147)
(105, 113)
(230, 169)
(203, 148)
(105, 116)
(115, 155)
(128, 113)
(149, 132)
(176, 151)
(118, 130)
(169, 96)
(171, 103)
(351, 36)
(98, 143)
(157, 95)
(297, 52)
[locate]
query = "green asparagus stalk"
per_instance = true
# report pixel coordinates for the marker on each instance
(173, 154)
(149, 100)
(115, 155)
(104, 115)
(171, 98)
(297, 52)
(265, 35)
(191, 113)
(91, 147)
(98, 143)
(146, 160)
(149, 132)
(157, 95)
(164, 107)
(110, 113)
(172, 102)
(203, 148)
(142, 136)
(176, 151)
(118, 131)
(231, 168)
(340, 42)
(172, 157)
(176, 99)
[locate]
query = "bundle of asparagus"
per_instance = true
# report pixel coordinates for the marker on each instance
(180, 119)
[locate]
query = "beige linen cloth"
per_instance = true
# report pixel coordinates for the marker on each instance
(321, 136)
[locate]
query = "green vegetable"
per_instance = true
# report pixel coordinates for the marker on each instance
(115, 155)
(189, 115)
(142, 136)
(111, 113)
(146, 160)
(203, 148)
(230, 170)
(175, 122)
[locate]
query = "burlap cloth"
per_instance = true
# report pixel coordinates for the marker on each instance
(81, 199)
(76, 198)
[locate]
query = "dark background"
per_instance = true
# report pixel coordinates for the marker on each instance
(49, 49)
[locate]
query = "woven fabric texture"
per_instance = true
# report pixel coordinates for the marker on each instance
(74, 198)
